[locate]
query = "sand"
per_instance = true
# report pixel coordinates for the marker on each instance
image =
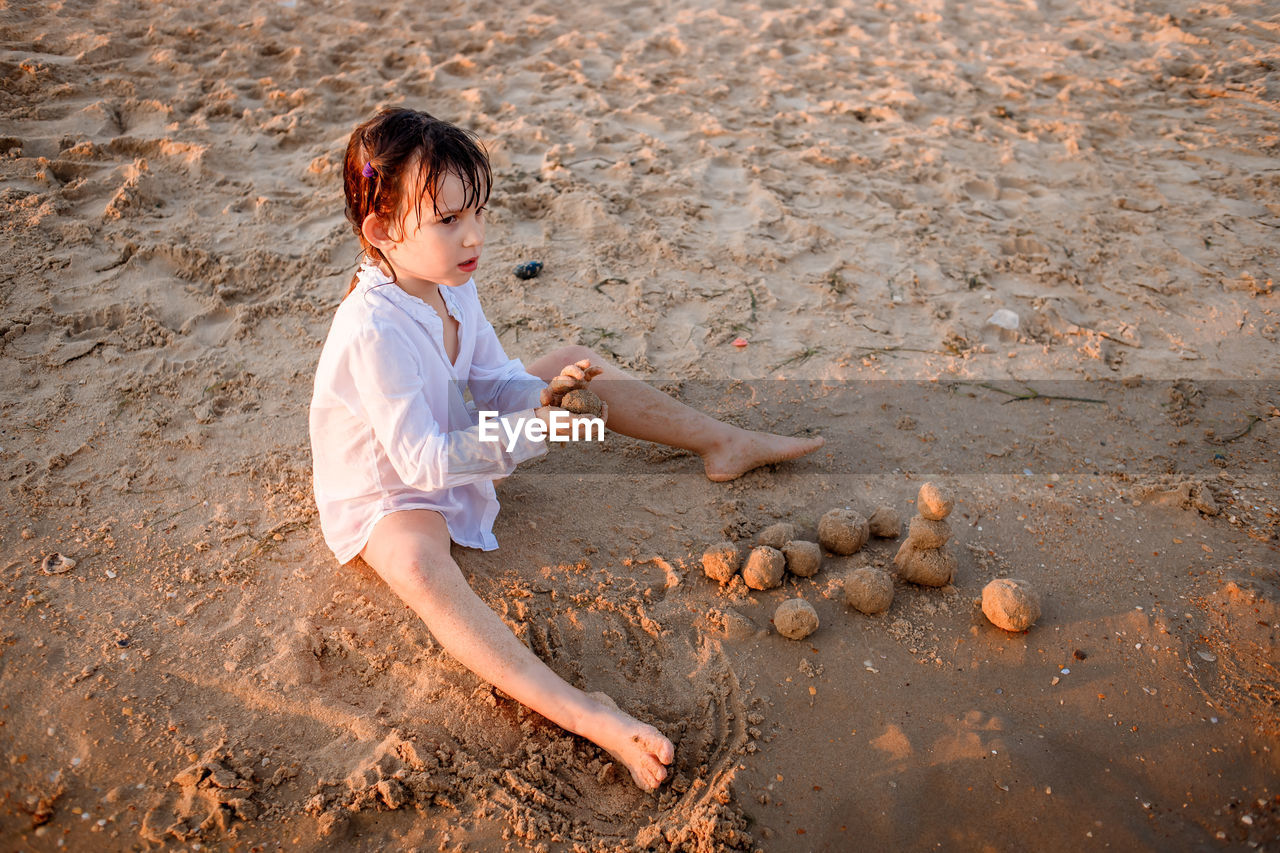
(852, 192)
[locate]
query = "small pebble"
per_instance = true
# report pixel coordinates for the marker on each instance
(528, 270)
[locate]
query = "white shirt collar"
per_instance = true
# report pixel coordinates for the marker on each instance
(370, 275)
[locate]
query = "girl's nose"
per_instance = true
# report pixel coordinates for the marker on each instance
(474, 236)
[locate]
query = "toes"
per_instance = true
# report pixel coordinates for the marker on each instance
(655, 771)
(643, 778)
(659, 747)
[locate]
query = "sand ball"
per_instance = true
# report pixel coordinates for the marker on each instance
(925, 533)
(1010, 604)
(582, 401)
(803, 558)
(843, 531)
(795, 618)
(927, 568)
(885, 523)
(933, 503)
(764, 567)
(777, 535)
(869, 590)
(721, 562)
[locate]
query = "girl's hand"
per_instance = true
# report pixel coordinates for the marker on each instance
(572, 376)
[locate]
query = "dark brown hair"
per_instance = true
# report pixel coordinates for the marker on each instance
(402, 151)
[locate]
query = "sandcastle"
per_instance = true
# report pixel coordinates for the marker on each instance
(924, 559)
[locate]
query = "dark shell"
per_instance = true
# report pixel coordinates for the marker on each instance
(529, 269)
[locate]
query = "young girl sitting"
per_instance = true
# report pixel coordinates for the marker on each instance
(400, 467)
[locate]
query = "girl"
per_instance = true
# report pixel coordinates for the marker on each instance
(400, 470)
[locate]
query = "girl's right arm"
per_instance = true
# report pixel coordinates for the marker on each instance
(391, 384)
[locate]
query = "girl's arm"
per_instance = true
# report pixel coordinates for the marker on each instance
(499, 383)
(391, 384)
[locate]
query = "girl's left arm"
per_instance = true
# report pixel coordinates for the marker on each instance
(499, 383)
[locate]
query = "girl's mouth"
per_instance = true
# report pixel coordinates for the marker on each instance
(469, 266)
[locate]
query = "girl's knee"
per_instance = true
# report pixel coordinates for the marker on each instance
(422, 564)
(548, 366)
(575, 352)
(410, 548)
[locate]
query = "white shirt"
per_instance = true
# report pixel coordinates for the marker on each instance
(390, 427)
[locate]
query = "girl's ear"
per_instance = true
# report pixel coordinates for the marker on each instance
(375, 231)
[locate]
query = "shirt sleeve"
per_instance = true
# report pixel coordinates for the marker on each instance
(499, 383)
(392, 383)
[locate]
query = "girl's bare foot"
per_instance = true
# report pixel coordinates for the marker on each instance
(640, 748)
(745, 450)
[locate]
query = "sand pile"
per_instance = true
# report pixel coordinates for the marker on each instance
(923, 558)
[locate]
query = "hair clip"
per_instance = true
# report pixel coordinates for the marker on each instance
(367, 171)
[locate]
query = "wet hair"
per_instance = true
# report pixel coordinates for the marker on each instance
(401, 151)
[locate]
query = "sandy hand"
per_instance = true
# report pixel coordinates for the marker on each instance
(640, 748)
(572, 376)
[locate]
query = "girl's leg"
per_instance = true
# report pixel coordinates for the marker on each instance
(410, 551)
(639, 410)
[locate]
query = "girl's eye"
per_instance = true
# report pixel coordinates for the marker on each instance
(480, 211)
(448, 220)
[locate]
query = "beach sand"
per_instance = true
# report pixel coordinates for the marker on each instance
(854, 190)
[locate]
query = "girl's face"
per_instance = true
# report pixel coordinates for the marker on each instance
(434, 248)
